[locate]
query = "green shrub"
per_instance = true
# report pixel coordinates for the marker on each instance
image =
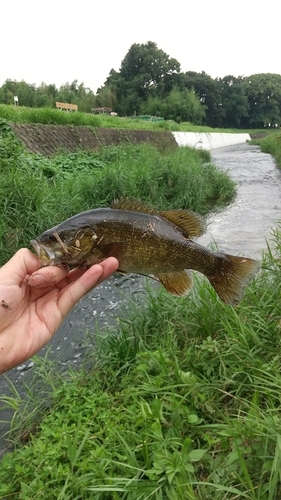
(272, 144)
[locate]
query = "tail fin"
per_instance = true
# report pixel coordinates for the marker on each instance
(231, 277)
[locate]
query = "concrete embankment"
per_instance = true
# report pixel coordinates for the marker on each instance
(48, 139)
(212, 140)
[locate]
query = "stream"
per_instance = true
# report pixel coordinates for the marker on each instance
(245, 225)
(242, 228)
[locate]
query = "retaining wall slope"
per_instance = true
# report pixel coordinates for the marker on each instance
(212, 140)
(49, 139)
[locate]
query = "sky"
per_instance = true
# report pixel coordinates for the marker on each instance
(60, 41)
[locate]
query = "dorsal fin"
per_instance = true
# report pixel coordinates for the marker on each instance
(134, 205)
(192, 224)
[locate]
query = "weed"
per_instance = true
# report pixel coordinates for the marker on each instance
(272, 144)
(182, 401)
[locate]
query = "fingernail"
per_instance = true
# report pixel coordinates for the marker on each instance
(36, 280)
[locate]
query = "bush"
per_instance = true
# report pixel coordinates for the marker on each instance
(272, 144)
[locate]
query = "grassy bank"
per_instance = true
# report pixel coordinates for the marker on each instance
(182, 401)
(37, 193)
(53, 116)
(272, 144)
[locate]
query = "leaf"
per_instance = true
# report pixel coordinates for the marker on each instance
(196, 455)
(156, 429)
(25, 488)
(156, 408)
(187, 377)
(171, 474)
(146, 410)
(189, 468)
(193, 418)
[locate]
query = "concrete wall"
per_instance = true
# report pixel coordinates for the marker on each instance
(213, 140)
(48, 139)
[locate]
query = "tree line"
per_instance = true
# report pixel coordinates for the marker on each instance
(45, 96)
(149, 81)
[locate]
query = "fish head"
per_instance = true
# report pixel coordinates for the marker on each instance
(64, 246)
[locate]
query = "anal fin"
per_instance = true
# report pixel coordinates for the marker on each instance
(176, 283)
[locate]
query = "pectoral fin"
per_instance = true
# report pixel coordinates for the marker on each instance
(101, 252)
(176, 283)
(114, 249)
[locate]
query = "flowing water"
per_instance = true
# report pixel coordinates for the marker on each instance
(244, 226)
(241, 228)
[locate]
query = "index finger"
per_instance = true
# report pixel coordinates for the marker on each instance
(72, 293)
(47, 276)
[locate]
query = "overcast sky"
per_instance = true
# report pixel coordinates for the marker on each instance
(58, 41)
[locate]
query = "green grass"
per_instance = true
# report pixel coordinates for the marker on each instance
(53, 116)
(37, 193)
(272, 144)
(181, 401)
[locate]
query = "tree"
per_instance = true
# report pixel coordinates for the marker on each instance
(234, 101)
(264, 96)
(178, 106)
(153, 106)
(111, 93)
(146, 71)
(75, 93)
(209, 93)
(45, 96)
(7, 92)
(107, 98)
(24, 91)
(146, 66)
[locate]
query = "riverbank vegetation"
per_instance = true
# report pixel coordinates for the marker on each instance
(272, 145)
(22, 114)
(180, 401)
(37, 193)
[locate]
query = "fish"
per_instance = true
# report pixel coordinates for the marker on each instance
(158, 244)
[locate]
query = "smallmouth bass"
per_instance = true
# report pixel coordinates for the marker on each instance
(149, 242)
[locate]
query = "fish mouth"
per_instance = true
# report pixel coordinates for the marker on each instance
(47, 256)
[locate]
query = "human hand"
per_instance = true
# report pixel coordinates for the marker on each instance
(34, 302)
